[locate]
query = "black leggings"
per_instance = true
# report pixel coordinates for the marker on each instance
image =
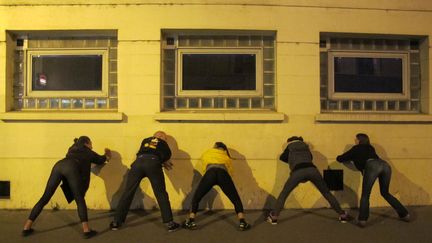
(64, 169)
(220, 177)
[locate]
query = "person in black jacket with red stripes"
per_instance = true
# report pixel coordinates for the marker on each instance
(74, 171)
(154, 153)
(372, 167)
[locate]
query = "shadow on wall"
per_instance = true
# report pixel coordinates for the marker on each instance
(180, 177)
(401, 187)
(114, 174)
(252, 195)
(348, 197)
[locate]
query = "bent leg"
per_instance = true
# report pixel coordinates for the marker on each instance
(295, 178)
(206, 183)
(318, 181)
(227, 185)
(384, 182)
(157, 181)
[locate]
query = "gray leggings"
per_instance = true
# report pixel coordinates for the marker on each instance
(377, 168)
(302, 175)
(64, 169)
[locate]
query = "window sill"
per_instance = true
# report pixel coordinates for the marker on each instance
(61, 116)
(373, 118)
(227, 116)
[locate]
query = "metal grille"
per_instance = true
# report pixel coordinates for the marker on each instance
(409, 105)
(170, 99)
(23, 102)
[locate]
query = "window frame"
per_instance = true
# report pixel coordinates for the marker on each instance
(66, 93)
(258, 52)
(368, 96)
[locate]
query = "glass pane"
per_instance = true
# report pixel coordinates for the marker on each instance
(54, 103)
(332, 105)
(268, 90)
(368, 75)
(65, 103)
(67, 72)
(268, 78)
(89, 103)
(113, 91)
(345, 105)
(380, 105)
(18, 104)
(231, 103)
(244, 103)
(256, 103)
(219, 72)
(368, 105)
(193, 103)
(113, 103)
(403, 105)
(256, 41)
(268, 53)
(77, 103)
(169, 90)
(391, 105)
(42, 103)
(169, 104)
(181, 103)
(219, 103)
(101, 103)
(206, 103)
(268, 102)
(357, 105)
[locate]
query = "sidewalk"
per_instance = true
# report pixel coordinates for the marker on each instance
(312, 225)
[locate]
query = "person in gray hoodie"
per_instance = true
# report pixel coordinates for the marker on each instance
(299, 157)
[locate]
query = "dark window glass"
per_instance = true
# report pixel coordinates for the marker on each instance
(368, 75)
(67, 72)
(219, 72)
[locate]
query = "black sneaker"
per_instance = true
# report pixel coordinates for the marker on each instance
(27, 232)
(343, 218)
(244, 226)
(172, 226)
(406, 218)
(189, 224)
(90, 234)
(114, 226)
(271, 219)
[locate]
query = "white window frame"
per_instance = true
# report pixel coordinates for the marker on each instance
(66, 93)
(206, 93)
(369, 96)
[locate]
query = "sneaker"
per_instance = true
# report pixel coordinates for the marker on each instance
(189, 224)
(27, 232)
(361, 223)
(172, 226)
(89, 234)
(343, 218)
(406, 218)
(244, 226)
(114, 225)
(271, 219)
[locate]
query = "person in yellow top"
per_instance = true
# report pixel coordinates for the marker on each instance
(217, 170)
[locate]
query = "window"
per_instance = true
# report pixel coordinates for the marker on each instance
(218, 70)
(67, 72)
(64, 70)
(364, 73)
(370, 75)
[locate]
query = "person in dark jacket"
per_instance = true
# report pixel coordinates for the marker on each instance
(73, 171)
(372, 167)
(299, 158)
(154, 153)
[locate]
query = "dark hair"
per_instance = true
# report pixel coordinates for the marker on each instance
(222, 146)
(362, 138)
(294, 138)
(79, 143)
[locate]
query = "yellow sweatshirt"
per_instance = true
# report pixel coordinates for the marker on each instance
(215, 156)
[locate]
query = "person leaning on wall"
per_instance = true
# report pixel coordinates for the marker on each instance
(372, 167)
(74, 171)
(299, 158)
(217, 169)
(154, 153)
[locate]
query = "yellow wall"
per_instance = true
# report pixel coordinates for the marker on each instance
(29, 149)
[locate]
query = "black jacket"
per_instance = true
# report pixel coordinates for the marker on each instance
(155, 146)
(84, 157)
(297, 152)
(359, 154)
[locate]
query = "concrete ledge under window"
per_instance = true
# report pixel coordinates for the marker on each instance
(61, 116)
(373, 118)
(224, 116)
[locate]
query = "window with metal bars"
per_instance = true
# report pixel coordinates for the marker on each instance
(362, 73)
(65, 71)
(218, 70)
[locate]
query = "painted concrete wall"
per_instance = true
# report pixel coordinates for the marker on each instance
(29, 149)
